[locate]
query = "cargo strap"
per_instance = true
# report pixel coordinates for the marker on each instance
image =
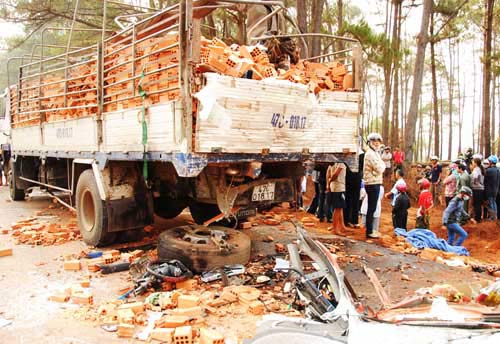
(143, 95)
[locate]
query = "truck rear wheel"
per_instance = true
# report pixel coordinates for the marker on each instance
(15, 193)
(168, 208)
(201, 212)
(91, 214)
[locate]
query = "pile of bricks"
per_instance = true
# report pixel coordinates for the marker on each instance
(153, 64)
(154, 68)
(34, 232)
(186, 311)
(78, 293)
(45, 95)
(253, 62)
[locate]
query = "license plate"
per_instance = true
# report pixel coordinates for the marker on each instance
(264, 192)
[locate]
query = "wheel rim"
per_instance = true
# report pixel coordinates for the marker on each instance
(87, 211)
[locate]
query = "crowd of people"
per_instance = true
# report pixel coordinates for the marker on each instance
(470, 191)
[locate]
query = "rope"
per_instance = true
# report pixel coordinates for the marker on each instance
(143, 95)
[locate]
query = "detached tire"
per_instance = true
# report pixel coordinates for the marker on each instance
(90, 211)
(175, 243)
(15, 193)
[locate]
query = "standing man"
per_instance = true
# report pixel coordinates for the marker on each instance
(468, 159)
(399, 158)
(464, 180)
(387, 158)
(498, 198)
(436, 177)
(491, 183)
(452, 215)
(374, 168)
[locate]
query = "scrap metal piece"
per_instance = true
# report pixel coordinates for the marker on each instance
(227, 270)
(382, 295)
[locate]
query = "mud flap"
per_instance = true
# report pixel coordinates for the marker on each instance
(125, 214)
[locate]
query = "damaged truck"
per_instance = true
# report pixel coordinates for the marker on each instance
(159, 116)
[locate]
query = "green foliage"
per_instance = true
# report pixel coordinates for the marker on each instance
(377, 47)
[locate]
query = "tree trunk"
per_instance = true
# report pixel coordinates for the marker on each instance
(340, 23)
(488, 20)
(211, 23)
(302, 23)
(474, 147)
(316, 21)
(395, 102)
(492, 107)
(417, 81)
(498, 136)
(434, 88)
(461, 101)
(450, 99)
(388, 71)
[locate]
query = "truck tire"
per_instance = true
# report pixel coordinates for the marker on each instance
(203, 256)
(168, 208)
(15, 193)
(201, 212)
(91, 212)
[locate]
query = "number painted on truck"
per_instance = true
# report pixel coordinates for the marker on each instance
(279, 120)
(64, 133)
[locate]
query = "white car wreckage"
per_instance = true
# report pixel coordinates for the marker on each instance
(336, 316)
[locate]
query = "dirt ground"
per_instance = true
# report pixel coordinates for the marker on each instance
(33, 273)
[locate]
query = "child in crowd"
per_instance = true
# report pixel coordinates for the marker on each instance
(452, 215)
(400, 208)
(394, 191)
(364, 208)
(425, 204)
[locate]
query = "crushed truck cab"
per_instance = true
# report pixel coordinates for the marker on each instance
(159, 117)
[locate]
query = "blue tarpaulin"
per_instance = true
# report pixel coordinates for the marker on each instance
(424, 238)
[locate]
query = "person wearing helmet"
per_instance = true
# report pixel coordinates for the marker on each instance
(491, 184)
(428, 172)
(394, 193)
(452, 215)
(477, 186)
(373, 170)
(464, 180)
(436, 177)
(425, 204)
(400, 208)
